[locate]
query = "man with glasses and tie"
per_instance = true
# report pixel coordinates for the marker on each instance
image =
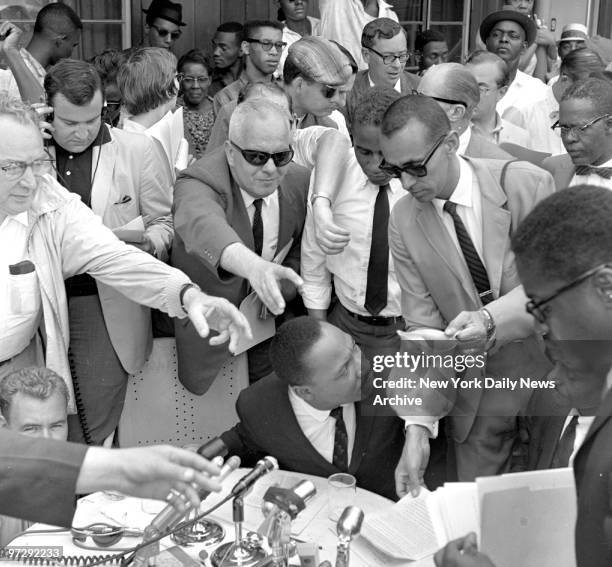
(385, 50)
(262, 46)
(163, 23)
(450, 241)
(238, 216)
(585, 122)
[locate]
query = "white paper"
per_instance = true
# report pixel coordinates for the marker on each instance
(132, 231)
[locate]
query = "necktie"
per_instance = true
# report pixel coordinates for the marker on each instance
(378, 266)
(565, 447)
(258, 228)
(474, 263)
(605, 172)
(340, 457)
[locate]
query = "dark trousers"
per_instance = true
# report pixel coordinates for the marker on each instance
(99, 379)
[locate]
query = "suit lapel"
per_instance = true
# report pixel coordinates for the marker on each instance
(604, 413)
(285, 224)
(240, 217)
(103, 160)
(550, 439)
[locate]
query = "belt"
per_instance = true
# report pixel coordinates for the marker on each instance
(377, 320)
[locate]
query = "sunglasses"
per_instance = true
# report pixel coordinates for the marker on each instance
(415, 169)
(103, 535)
(165, 33)
(258, 158)
(440, 99)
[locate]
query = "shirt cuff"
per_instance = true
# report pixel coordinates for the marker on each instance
(316, 297)
(426, 422)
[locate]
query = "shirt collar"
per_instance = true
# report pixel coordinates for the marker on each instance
(21, 218)
(499, 125)
(394, 184)
(462, 195)
(464, 140)
(397, 87)
(302, 407)
(248, 199)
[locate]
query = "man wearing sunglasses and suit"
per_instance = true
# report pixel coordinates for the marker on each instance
(239, 213)
(585, 121)
(450, 241)
(163, 23)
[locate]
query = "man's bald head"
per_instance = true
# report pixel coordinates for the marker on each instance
(252, 119)
(453, 82)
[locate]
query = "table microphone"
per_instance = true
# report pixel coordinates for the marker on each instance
(263, 466)
(349, 525)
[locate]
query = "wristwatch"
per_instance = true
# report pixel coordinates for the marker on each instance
(184, 289)
(490, 323)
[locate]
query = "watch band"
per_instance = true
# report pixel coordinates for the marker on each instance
(184, 289)
(315, 196)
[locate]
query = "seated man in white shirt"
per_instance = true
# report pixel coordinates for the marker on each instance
(585, 121)
(313, 415)
(34, 402)
(368, 306)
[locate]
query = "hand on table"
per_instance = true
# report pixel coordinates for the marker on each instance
(410, 470)
(209, 312)
(462, 552)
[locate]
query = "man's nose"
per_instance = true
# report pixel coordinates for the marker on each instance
(407, 181)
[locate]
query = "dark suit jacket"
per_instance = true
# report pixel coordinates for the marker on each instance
(209, 215)
(561, 168)
(38, 478)
(408, 82)
(593, 473)
(268, 427)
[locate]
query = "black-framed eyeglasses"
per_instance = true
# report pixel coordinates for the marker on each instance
(415, 169)
(440, 99)
(191, 80)
(174, 35)
(534, 308)
(577, 130)
(14, 170)
(259, 158)
(267, 45)
(389, 58)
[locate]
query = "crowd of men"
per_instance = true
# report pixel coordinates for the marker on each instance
(355, 202)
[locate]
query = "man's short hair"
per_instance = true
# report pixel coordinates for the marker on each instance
(252, 25)
(483, 56)
(250, 110)
(597, 91)
(58, 18)
(290, 347)
(107, 64)
(380, 28)
(232, 27)
(147, 79)
(567, 233)
(76, 80)
(421, 109)
(195, 56)
(36, 382)
(581, 62)
(427, 36)
(18, 110)
(453, 82)
(372, 105)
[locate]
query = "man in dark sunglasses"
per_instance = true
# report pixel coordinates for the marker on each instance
(450, 241)
(239, 213)
(163, 23)
(262, 46)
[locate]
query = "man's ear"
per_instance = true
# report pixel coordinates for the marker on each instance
(303, 392)
(525, 47)
(452, 142)
(229, 153)
(3, 422)
(365, 52)
(603, 285)
(457, 112)
(245, 46)
(501, 92)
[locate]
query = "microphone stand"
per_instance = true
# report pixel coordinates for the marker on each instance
(349, 525)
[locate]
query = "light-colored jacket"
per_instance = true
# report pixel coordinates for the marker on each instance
(66, 238)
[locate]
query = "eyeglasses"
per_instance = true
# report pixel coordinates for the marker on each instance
(103, 535)
(578, 130)
(266, 44)
(415, 169)
(440, 99)
(258, 158)
(190, 80)
(165, 33)
(389, 58)
(16, 169)
(535, 307)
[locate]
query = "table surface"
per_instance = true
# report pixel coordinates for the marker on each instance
(312, 525)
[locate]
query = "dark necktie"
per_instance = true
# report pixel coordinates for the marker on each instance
(605, 172)
(378, 266)
(474, 263)
(565, 447)
(340, 458)
(258, 228)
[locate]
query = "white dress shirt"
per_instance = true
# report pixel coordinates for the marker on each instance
(397, 87)
(320, 428)
(20, 300)
(469, 208)
(584, 423)
(270, 218)
(353, 209)
(464, 141)
(593, 178)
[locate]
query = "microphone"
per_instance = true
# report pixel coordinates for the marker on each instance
(349, 523)
(263, 466)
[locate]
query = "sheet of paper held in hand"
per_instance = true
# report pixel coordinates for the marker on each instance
(258, 316)
(132, 231)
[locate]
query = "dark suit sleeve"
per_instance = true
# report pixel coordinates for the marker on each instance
(38, 478)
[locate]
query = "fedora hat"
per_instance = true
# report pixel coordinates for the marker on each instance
(166, 10)
(504, 15)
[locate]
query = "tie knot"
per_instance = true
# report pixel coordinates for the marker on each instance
(336, 413)
(383, 188)
(450, 207)
(257, 204)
